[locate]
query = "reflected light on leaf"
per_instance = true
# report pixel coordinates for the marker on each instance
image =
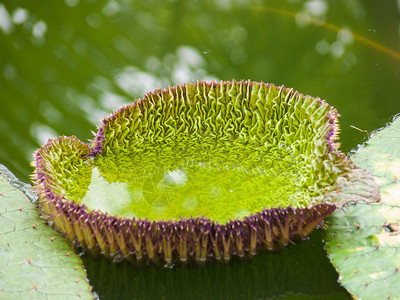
(41, 133)
(5, 20)
(20, 15)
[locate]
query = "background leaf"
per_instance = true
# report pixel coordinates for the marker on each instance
(363, 240)
(35, 261)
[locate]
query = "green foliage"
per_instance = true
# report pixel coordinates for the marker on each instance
(219, 150)
(363, 240)
(268, 145)
(227, 168)
(35, 262)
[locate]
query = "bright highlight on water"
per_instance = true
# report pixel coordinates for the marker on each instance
(191, 183)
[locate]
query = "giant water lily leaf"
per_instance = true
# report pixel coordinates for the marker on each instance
(35, 262)
(198, 172)
(363, 240)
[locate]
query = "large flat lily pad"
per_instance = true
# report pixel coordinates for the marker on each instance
(35, 261)
(363, 240)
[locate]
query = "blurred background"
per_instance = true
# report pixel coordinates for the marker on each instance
(64, 65)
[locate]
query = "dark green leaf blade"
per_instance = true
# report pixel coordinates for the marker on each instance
(35, 261)
(363, 240)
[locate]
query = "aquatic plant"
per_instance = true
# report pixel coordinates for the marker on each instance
(200, 171)
(362, 240)
(33, 255)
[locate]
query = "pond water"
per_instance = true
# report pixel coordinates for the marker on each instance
(64, 65)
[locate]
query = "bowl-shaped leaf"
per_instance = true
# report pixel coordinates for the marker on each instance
(199, 171)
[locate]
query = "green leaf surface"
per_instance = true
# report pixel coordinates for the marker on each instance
(35, 261)
(363, 240)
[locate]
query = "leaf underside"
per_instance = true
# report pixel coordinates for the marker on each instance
(363, 240)
(35, 261)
